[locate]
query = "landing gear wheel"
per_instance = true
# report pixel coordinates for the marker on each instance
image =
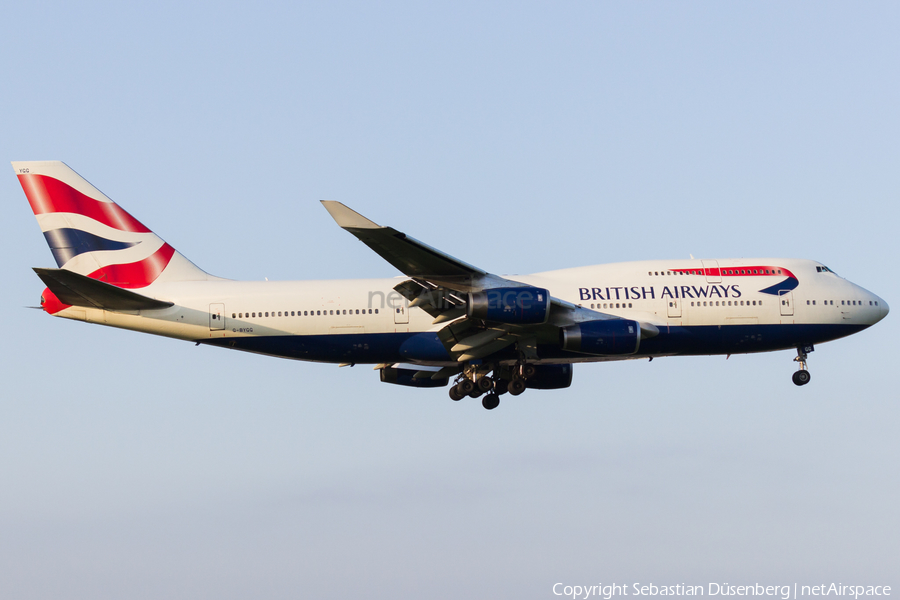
(455, 395)
(501, 387)
(466, 387)
(528, 371)
(801, 377)
(485, 384)
(475, 393)
(490, 401)
(516, 387)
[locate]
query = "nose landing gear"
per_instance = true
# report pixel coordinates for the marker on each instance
(802, 376)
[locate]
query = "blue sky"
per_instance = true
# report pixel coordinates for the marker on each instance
(520, 137)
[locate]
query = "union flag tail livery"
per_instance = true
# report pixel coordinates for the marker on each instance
(448, 319)
(91, 235)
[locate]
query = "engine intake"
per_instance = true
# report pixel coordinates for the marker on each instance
(516, 306)
(606, 337)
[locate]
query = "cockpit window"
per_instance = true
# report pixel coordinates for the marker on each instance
(824, 269)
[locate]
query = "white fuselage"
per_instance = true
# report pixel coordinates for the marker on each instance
(690, 294)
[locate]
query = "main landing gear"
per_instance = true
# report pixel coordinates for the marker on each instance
(491, 383)
(802, 376)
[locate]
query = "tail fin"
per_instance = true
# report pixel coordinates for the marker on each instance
(91, 235)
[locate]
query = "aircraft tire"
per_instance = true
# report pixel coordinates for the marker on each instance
(485, 384)
(490, 401)
(466, 387)
(455, 395)
(516, 387)
(528, 371)
(801, 377)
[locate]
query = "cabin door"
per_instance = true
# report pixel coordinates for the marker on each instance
(786, 297)
(711, 270)
(674, 308)
(401, 313)
(216, 317)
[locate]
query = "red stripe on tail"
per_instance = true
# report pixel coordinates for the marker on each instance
(138, 274)
(49, 195)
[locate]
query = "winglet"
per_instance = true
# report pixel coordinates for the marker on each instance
(346, 217)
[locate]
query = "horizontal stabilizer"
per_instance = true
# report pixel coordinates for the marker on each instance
(78, 290)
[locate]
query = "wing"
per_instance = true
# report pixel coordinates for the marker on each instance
(442, 285)
(409, 255)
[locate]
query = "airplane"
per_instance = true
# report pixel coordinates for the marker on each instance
(445, 318)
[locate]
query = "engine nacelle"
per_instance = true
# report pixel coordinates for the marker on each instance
(516, 306)
(550, 377)
(405, 377)
(612, 336)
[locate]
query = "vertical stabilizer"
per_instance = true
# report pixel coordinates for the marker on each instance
(91, 235)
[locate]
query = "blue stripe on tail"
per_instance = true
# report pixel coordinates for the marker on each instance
(68, 243)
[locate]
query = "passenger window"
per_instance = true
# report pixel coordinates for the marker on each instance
(376, 311)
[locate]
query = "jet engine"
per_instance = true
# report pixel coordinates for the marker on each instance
(550, 377)
(401, 376)
(516, 306)
(611, 336)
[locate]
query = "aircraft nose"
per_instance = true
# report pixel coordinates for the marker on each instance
(882, 308)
